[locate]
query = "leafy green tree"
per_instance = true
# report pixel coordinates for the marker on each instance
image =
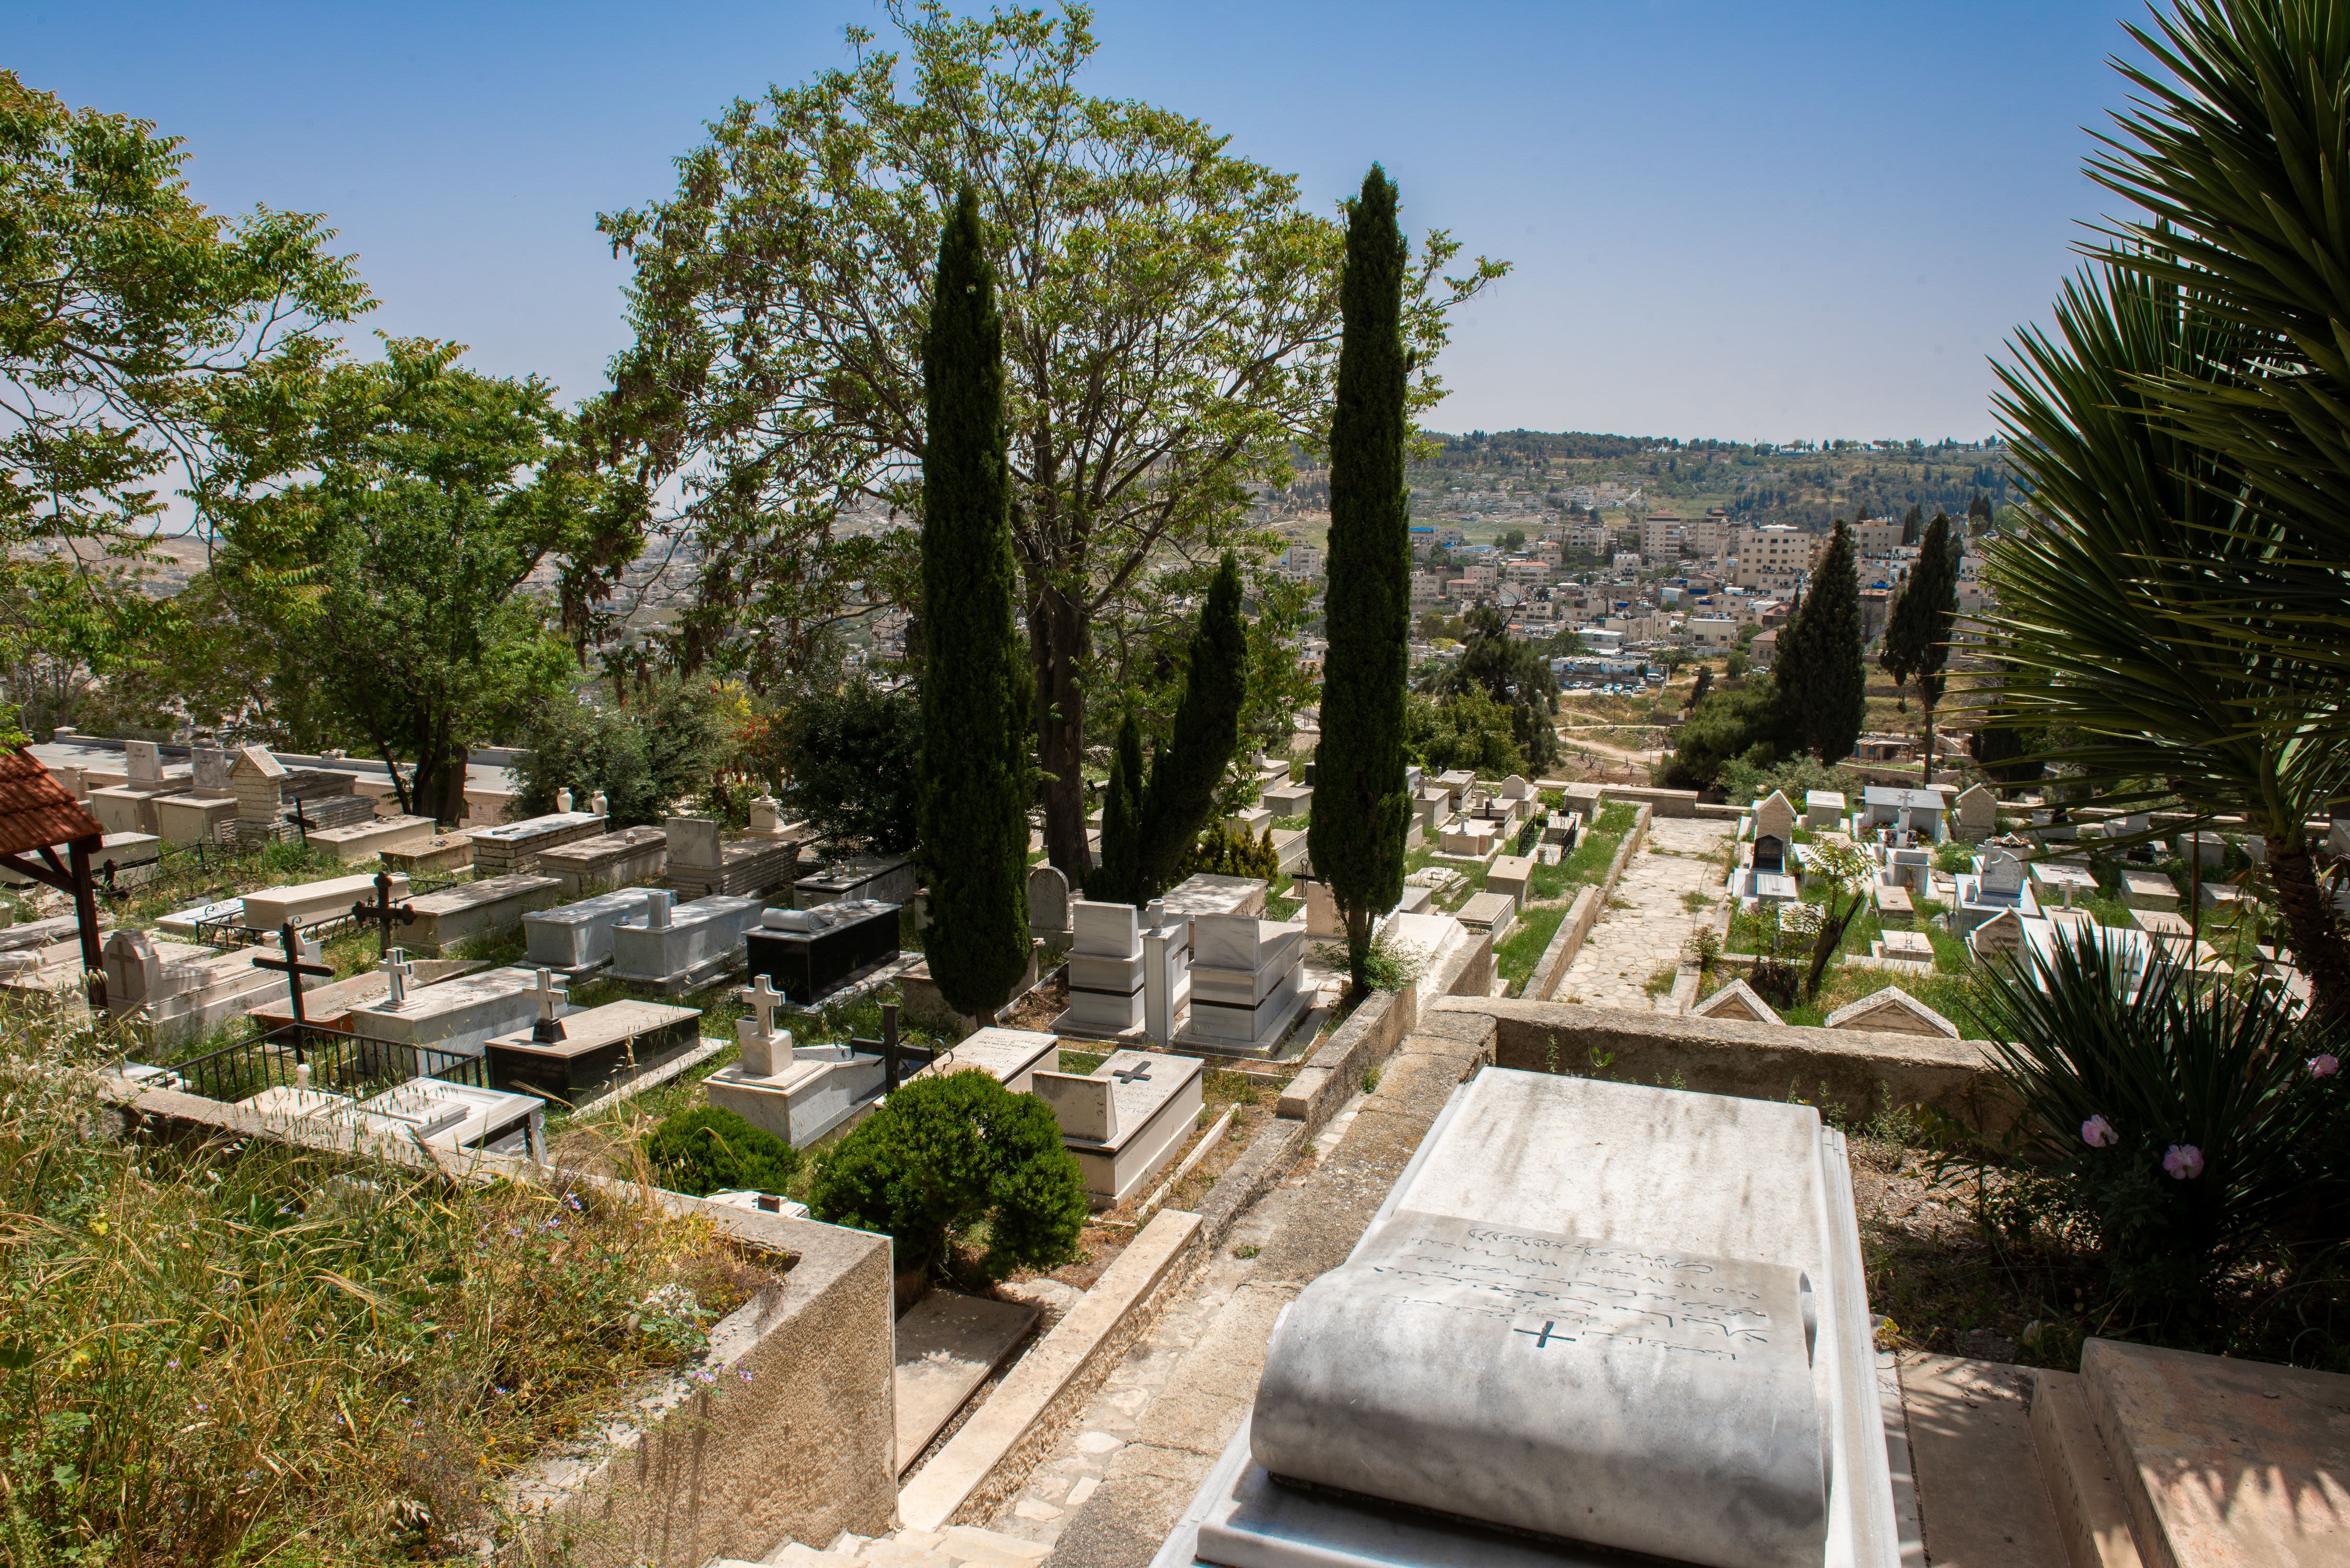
(711, 1149)
(1181, 796)
(396, 575)
(1170, 342)
(853, 753)
(1918, 632)
(1465, 729)
(665, 743)
(1822, 685)
(1514, 540)
(1361, 809)
(126, 312)
(976, 780)
(1743, 724)
(1118, 879)
(956, 1156)
(2119, 607)
(1516, 676)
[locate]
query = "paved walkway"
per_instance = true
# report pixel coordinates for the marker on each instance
(1629, 944)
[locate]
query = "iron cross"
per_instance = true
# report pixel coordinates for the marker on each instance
(383, 912)
(293, 966)
(893, 1055)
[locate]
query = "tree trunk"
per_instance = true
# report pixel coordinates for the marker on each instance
(449, 805)
(2318, 944)
(1927, 782)
(1359, 947)
(1056, 639)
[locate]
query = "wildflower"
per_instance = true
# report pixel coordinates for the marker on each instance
(2098, 1133)
(746, 1376)
(2183, 1162)
(2325, 1065)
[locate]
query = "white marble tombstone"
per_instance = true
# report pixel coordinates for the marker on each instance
(1086, 1107)
(1048, 904)
(211, 772)
(144, 761)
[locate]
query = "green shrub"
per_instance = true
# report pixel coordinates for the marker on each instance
(1224, 850)
(664, 744)
(958, 1158)
(710, 1149)
(2181, 1123)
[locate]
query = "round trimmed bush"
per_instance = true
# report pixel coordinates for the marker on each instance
(710, 1149)
(945, 1155)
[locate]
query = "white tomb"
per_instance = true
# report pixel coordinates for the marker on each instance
(574, 939)
(798, 1093)
(483, 907)
(1590, 1316)
(460, 1016)
(1104, 967)
(1126, 1119)
(1997, 885)
(1823, 810)
(1247, 982)
(307, 903)
(680, 946)
(1012, 1057)
(180, 990)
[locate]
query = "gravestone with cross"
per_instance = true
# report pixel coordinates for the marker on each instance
(300, 961)
(760, 1042)
(397, 970)
(549, 993)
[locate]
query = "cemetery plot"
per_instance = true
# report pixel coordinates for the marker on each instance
(811, 953)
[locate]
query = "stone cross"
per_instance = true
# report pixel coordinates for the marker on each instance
(550, 996)
(397, 969)
(757, 1035)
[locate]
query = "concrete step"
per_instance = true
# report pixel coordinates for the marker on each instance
(2091, 1511)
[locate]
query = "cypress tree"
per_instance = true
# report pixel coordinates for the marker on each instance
(1912, 521)
(1185, 771)
(1114, 880)
(1918, 632)
(1360, 809)
(1828, 685)
(975, 777)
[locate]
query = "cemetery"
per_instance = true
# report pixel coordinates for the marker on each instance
(980, 1019)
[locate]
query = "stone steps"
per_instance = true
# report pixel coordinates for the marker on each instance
(956, 1546)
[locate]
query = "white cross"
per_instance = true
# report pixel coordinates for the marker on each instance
(397, 969)
(550, 995)
(763, 999)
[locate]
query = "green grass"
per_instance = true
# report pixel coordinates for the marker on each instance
(1514, 959)
(250, 1353)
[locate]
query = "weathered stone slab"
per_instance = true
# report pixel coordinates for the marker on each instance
(947, 1346)
(609, 860)
(475, 909)
(573, 939)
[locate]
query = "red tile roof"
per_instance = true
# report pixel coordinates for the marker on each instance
(35, 809)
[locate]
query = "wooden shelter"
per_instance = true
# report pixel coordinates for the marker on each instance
(37, 816)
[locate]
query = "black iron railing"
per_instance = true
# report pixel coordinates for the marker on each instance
(353, 1065)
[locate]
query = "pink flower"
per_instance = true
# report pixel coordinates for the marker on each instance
(2324, 1065)
(2183, 1162)
(2098, 1133)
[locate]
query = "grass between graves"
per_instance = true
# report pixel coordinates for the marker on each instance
(1550, 894)
(245, 1352)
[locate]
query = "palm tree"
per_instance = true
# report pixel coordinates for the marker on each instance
(2124, 606)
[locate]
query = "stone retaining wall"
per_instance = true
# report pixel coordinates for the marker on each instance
(1859, 1072)
(803, 1447)
(1667, 802)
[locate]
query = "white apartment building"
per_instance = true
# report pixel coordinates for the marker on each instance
(1774, 557)
(1876, 538)
(1301, 561)
(1480, 575)
(1712, 631)
(1660, 538)
(1627, 561)
(1586, 535)
(1528, 574)
(1427, 589)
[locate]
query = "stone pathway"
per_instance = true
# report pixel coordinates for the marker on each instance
(1682, 855)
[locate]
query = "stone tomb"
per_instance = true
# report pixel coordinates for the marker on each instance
(1823, 810)
(1736, 1001)
(1010, 1056)
(365, 840)
(573, 939)
(308, 903)
(702, 865)
(1600, 1314)
(193, 818)
(2149, 890)
(798, 1093)
(1048, 906)
(1999, 936)
(441, 852)
(1470, 838)
(424, 1110)
(607, 861)
(810, 952)
(1511, 875)
(179, 990)
(1894, 905)
(477, 908)
(1892, 1010)
(679, 947)
(1775, 817)
(1126, 1119)
(1494, 913)
(1977, 810)
(1997, 885)
(1246, 982)
(1906, 947)
(885, 879)
(597, 1047)
(1106, 971)
(515, 847)
(459, 1016)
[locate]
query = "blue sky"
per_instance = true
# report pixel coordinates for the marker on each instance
(1727, 218)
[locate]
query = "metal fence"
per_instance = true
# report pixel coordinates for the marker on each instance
(354, 1064)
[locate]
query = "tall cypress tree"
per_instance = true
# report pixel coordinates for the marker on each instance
(1185, 771)
(975, 775)
(1918, 632)
(1824, 685)
(1116, 880)
(1360, 809)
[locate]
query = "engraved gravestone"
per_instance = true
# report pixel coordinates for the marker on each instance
(1626, 1378)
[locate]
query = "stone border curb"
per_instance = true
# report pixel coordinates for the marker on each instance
(1584, 914)
(1085, 1341)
